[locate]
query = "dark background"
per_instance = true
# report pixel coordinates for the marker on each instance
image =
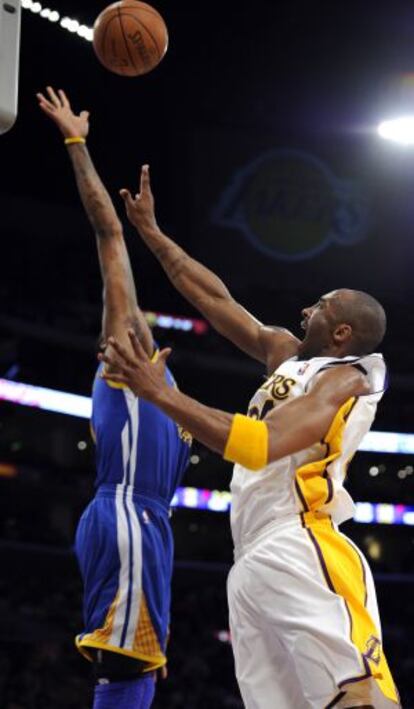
(239, 80)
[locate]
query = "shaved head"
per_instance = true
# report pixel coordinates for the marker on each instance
(365, 315)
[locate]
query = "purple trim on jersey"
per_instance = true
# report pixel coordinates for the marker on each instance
(364, 575)
(321, 559)
(130, 572)
(301, 496)
(330, 486)
(335, 700)
(351, 622)
(352, 680)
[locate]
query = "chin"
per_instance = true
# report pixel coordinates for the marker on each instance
(307, 350)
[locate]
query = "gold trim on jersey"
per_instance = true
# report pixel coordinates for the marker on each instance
(313, 483)
(119, 385)
(146, 642)
(146, 646)
(153, 663)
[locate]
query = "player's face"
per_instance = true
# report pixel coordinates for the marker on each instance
(318, 322)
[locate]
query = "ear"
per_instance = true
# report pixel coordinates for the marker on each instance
(342, 333)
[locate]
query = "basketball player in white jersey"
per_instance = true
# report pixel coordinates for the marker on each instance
(303, 612)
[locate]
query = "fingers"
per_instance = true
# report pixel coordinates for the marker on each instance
(53, 97)
(103, 357)
(164, 354)
(136, 345)
(145, 184)
(125, 360)
(44, 104)
(140, 352)
(84, 114)
(41, 98)
(121, 352)
(54, 102)
(114, 377)
(47, 108)
(120, 374)
(64, 99)
(126, 196)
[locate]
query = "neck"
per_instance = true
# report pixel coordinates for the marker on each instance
(326, 351)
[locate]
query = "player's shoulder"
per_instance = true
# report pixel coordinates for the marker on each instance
(347, 373)
(278, 345)
(364, 375)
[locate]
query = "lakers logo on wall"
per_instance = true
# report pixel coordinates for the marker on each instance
(291, 206)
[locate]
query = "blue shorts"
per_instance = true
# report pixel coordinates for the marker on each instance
(124, 548)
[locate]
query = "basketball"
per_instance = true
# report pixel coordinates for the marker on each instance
(130, 38)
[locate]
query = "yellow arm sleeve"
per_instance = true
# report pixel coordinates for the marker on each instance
(248, 443)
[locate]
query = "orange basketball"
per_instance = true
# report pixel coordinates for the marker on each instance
(130, 38)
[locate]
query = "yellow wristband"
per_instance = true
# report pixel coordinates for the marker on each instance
(248, 443)
(73, 141)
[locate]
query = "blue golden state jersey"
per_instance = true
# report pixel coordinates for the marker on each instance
(137, 445)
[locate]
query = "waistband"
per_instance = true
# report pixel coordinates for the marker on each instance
(145, 499)
(299, 520)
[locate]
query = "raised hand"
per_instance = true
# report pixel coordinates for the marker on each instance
(140, 209)
(137, 371)
(58, 108)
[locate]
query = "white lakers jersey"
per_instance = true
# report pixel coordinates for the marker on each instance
(312, 479)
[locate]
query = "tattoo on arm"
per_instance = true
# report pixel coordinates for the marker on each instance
(172, 261)
(94, 196)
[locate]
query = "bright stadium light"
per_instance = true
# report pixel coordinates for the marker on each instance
(398, 130)
(67, 23)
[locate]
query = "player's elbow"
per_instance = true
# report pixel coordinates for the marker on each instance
(110, 231)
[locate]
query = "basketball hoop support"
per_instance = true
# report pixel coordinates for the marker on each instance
(10, 19)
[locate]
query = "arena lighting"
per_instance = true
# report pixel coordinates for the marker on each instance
(60, 402)
(63, 402)
(8, 471)
(172, 322)
(398, 130)
(67, 23)
(365, 512)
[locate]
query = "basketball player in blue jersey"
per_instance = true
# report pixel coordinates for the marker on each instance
(123, 543)
(304, 619)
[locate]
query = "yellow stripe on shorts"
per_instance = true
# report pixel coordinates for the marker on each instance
(344, 573)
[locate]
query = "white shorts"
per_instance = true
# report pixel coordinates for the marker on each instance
(304, 619)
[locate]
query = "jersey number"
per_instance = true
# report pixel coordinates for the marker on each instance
(279, 387)
(255, 412)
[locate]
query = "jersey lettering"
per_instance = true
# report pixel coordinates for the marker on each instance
(279, 387)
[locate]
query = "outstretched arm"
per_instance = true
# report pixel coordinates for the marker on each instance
(287, 429)
(204, 289)
(120, 307)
